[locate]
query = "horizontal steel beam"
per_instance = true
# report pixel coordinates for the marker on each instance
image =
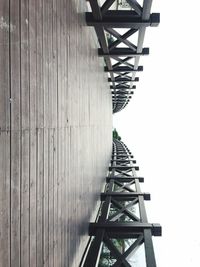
(125, 195)
(123, 69)
(124, 179)
(122, 168)
(123, 160)
(127, 227)
(120, 102)
(127, 20)
(124, 80)
(120, 97)
(123, 52)
(121, 87)
(123, 155)
(121, 92)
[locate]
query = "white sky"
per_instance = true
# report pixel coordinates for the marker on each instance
(161, 126)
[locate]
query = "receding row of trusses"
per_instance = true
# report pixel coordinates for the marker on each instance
(120, 26)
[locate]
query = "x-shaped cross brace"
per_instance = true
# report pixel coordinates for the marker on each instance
(122, 61)
(125, 186)
(124, 210)
(121, 39)
(121, 258)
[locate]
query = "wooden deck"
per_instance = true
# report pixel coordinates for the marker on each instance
(55, 131)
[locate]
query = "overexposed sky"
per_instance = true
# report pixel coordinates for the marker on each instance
(161, 126)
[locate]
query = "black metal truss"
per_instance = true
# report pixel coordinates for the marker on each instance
(117, 59)
(118, 219)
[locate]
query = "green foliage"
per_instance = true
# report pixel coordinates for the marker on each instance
(110, 38)
(106, 258)
(116, 135)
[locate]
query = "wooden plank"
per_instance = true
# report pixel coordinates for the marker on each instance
(40, 132)
(55, 126)
(15, 193)
(40, 188)
(46, 138)
(62, 199)
(71, 218)
(25, 239)
(51, 133)
(72, 55)
(63, 117)
(59, 144)
(66, 176)
(45, 201)
(15, 134)
(25, 98)
(40, 62)
(33, 189)
(4, 136)
(4, 64)
(65, 63)
(5, 199)
(51, 197)
(55, 182)
(33, 133)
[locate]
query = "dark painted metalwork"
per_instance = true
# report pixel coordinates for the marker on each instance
(118, 219)
(114, 28)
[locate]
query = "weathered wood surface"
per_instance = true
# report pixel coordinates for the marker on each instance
(55, 131)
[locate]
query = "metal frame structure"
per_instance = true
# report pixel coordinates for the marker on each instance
(119, 52)
(122, 192)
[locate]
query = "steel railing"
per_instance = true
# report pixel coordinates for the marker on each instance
(118, 219)
(115, 30)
